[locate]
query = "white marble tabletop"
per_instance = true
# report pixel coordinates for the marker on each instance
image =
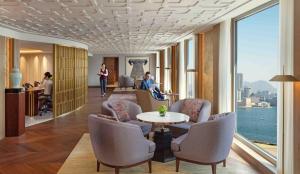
(169, 118)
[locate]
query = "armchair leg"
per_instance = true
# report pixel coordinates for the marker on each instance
(214, 168)
(98, 166)
(177, 164)
(224, 163)
(117, 170)
(150, 166)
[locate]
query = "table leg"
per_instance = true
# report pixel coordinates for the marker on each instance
(163, 138)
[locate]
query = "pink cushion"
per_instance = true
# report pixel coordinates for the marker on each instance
(121, 110)
(191, 107)
(217, 116)
(107, 117)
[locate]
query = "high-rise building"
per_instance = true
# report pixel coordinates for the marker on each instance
(239, 81)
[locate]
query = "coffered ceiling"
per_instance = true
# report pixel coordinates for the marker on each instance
(114, 26)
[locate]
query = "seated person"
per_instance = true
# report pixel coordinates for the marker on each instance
(47, 83)
(147, 84)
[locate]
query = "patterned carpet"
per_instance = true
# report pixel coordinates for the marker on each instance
(82, 161)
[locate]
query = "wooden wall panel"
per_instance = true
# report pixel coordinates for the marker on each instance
(199, 66)
(162, 69)
(174, 72)
(70, 79)
(80, 77)
(210, 67)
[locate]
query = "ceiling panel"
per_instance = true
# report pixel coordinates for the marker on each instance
(114, 26)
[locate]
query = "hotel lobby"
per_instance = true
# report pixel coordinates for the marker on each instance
(150, 86)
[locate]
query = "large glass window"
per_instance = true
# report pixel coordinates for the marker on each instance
(157, 69)
(191, 66)
(257, 60)
(168, 69)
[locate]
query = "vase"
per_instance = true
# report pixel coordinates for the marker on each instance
(15, 78)
(162, 114)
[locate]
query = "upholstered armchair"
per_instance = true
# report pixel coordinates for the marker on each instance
(126, 81)
(125, 111)
(206, 143)
(198, 109)
(119, 145)
(147, 102)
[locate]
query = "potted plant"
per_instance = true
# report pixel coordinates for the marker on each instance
(162, 109)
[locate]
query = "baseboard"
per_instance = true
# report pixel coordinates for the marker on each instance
(94, 86)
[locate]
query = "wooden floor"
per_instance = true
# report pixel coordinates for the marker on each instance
(45, 147)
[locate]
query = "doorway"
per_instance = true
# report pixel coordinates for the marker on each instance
(112, 64)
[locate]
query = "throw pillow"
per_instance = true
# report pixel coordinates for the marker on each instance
(217, 116)
(107, 117)
(121, 109)
(192, 107)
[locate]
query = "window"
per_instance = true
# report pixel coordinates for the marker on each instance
(191, 66)
(168, 69)
(157, 69)
(257, 60)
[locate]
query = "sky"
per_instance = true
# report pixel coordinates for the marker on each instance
(258, 45)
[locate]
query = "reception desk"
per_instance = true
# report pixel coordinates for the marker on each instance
(32, 101)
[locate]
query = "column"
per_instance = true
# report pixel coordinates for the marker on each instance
(2, 85)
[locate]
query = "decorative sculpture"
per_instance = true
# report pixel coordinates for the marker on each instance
(137, 69)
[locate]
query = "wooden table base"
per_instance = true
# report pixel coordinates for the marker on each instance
(163, 152)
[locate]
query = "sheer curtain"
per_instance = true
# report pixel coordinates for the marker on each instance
(285, 156)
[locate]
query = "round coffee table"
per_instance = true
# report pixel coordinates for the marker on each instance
(163, 136)
(169, 118)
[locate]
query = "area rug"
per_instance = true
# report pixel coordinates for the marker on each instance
(130, 97)
(82, 161)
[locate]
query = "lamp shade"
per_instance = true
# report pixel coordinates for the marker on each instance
(283, 78)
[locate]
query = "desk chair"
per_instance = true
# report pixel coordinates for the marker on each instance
(46, 105)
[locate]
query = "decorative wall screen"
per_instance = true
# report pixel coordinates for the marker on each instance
(70, 79)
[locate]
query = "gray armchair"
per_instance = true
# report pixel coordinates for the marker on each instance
(113, 149)
(206, 143)
(132, 109)
(126, 81)
(204, 113)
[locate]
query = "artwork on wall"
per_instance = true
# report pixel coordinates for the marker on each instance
(136, 67)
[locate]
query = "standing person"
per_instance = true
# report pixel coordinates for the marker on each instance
(103, 73)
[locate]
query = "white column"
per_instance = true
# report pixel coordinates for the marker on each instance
(225, 74)
(2, 85)
(285, 156)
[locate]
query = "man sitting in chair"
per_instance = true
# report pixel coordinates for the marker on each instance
(148, 84)
(47, 83)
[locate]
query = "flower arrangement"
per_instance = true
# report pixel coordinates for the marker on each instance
(162, 109)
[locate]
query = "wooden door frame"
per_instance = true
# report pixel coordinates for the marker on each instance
(117, 66)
